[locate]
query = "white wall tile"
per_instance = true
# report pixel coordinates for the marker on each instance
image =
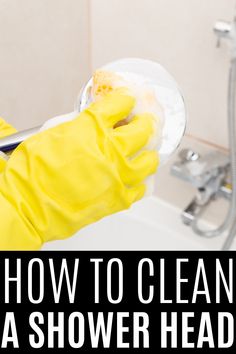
(44, 58)
(179, 35)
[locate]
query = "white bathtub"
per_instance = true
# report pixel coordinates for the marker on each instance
(151, 224)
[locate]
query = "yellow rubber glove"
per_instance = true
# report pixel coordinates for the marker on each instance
(5, 130)
(74, 174)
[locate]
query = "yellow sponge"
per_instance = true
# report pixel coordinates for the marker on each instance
(103, 83)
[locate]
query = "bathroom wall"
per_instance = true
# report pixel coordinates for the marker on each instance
(179, 35)
(49, 47)
(44, 58)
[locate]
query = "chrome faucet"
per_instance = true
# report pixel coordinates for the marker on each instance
(208, 174)
(211, 173)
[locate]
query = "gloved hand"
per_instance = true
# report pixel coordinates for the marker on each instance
(5, 130)
(74, 174)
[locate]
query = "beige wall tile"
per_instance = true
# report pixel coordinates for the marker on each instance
(179, 35)
(44, 58)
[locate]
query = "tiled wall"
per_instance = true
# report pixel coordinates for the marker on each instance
(44, 58)
(48, 48)
(178, 34)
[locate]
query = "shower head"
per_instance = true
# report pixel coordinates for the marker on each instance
(166, 90)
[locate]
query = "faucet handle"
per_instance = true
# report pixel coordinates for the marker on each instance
(186, 155)
(199, 170)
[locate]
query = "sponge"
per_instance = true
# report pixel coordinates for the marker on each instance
(105, 81)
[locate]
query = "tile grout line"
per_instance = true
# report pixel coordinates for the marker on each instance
(89, 28)
(208, 143)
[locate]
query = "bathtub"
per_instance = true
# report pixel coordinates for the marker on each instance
(153, 223)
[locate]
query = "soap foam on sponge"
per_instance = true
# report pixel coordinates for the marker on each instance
(105, 81)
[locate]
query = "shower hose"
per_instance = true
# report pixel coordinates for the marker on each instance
(230, 220)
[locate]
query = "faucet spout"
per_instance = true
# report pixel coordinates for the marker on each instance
(208, 174)
(192, 211)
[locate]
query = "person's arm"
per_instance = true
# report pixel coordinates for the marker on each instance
(72, 175)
